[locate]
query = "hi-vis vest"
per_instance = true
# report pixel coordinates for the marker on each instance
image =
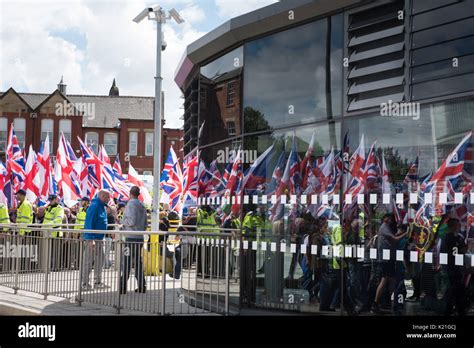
(4, 216)
(54, 216)
(80, 219)
(336, 240)
(362, 226)
(24, 215)
(204, 219)
(254, 226)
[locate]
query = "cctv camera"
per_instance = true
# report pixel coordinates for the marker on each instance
(163, 45)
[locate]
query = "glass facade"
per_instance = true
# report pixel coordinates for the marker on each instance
(294, 77)
(220, 104)
(291, 91)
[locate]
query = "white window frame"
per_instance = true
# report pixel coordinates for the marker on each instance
(147, 142)
(68, 131)
(19, 125)
(93, 145)
(114, 137)
(48, 131)
(130, 140)
(3, 133)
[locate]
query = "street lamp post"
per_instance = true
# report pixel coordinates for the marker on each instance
(157, 14)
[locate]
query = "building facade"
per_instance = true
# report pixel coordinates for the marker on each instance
(396, 72)
(123, 124)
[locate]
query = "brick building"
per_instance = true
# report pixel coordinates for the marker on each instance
(124, 124)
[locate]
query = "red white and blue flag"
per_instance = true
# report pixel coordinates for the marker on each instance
(190, 179)
(15, 161)
(172, 182)
(411, 179)
(257, 173)
(93, 164)
(68, 184)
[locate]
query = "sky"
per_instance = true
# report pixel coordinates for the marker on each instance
(91, 42)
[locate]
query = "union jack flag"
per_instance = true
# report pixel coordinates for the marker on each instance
(295, 178)
(172, 184)
(411, 179)
(5, 185)
(190, 177)
(69, 187)
(94, 165)
(306, 162)
(15, 160)
(446, 179)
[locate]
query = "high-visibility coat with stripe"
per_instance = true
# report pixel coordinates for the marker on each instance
(204, 219)
(24, 215)
(255, 226)
(54, 216)
(80, 219)
(4, 216)
(336, 241)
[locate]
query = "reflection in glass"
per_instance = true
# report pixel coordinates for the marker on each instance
(220, 98)
(286, 76)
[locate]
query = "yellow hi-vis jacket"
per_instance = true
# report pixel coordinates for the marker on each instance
(336, 240)
(4, 216)
(24, 215)
(54, 216)
(362, 226)
(204, 219)
(255, 226)
(80, 219)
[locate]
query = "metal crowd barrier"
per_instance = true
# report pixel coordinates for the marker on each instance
(198, 274)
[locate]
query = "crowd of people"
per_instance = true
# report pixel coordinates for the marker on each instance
(89, 228)
(361, 282)
(365, 283)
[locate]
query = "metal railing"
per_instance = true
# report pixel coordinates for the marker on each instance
(125, 270)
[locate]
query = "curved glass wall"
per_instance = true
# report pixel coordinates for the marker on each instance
(290, 91)
(294, 77)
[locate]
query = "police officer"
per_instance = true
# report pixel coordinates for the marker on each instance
(81, 213)
(206, 223)
(253, 228)
(5, 220)
(4, 216)
(24, 212)
(335, 272)
(206, 218)
(53, 216)
(24, 215)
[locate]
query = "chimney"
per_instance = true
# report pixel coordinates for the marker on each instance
(62, 86)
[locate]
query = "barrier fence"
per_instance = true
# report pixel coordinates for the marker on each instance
(200, 273)
(126, 273)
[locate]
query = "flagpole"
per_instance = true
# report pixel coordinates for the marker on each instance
(155, 210)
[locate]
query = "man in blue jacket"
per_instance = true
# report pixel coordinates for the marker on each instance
(96, 219)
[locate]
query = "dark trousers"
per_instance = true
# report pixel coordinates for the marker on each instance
(455, 293)
(132, 252)
(177, 265)
(248, 277)
(330, 292)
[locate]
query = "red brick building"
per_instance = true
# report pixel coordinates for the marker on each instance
(123, 124)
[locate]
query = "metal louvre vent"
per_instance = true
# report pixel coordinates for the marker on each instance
(376, 47)
(191, 116)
